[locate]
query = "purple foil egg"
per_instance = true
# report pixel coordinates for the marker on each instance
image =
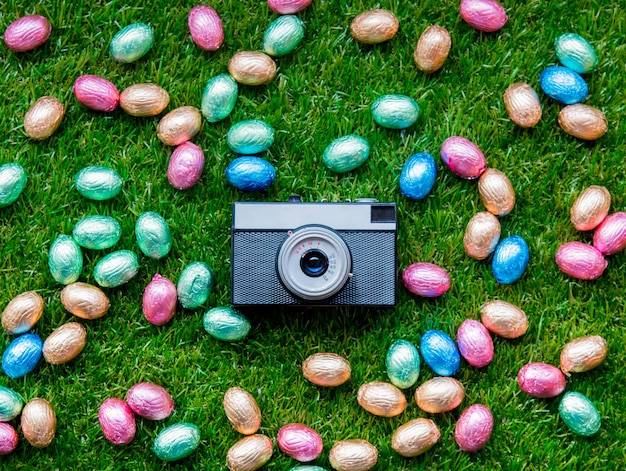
(159, 300)
(186, 165)
(475, 343)
(463, 157)
(288, 7)
(541, 380)
(580, 260)
(27, 33)
(426, 279)
(8, 438)
(96, 93)
(610, 236)
(150, 400)
(483, 15)
(300, 442)
(205, 27)
(117, 421)
(473, 428)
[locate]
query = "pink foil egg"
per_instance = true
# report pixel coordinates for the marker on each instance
(205, 27)
(159, 300)
(117, 421)
(580, 260)
(541, 380)
(483, 15)
(8, 438)
(610, 236)
(463, 157)
(426, 279)
(287, 7)
(300, 442)
(186, 165)
(150, 400)
(473, 428)
(96, 93)
(475, 343)
(27, 33)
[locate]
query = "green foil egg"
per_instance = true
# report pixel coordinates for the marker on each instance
(219, 97)
(65, 260)
(395, 111)
(346, 153)
(194, 285)
(153, 235)
(11, 404)
(116, 269)
(403, 364)
(132, 42)
(250, 137)
(176, 441)
(12, 182)
(575, 53)
(579, 414)
(98, 183)
(283, 35)
(97, 232)
(224, 323)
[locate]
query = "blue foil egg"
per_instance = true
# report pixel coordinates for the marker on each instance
(510, 259)
(418, 176)
(563, 84)
(403, 364)
(440, 352)
(249, 173)
(22, 355)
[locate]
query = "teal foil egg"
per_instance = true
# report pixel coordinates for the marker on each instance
(418, 176)
(97, 232)
(194, 285)
(219, 97)
(116, 269)
(153, 235)
(132, 42)
(11, 404)
(510, 259)
(346, 153)
(403, 364)
(575, 52)
(440, 352)
(98, 183)
(283, 35)
(12, 182)
(250, 173)
(563, 85)
(579, 414)
(65, 260)
(250, 137)
(22, 355)
(224, 323)
(308, 467)
(176, 441)
(395, 111)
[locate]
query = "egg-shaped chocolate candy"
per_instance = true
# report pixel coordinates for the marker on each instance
(97, 232)
(475, 344)
(242, 410)
(426, 279)
(440, 352)
(510, 259)
(580, 260)
(65, 343)
(432, 49)
(153, 235)
(300, 442)
(307, 467)
(8, 439)
(402, 363)
(326, 369)
(374, 26)
(150, 401)
(439, 394)
(504, 319)
(179, 125)
(252, 68)
(96, 93)
(98, 183)
(522, 104)
(250, 173)
(590, 208)
(11, 404)
(576, 53)
(541, 380)
(132, 42)
(219, 97)
(12, 182)
(43, 118)
(194, 285)
(205, 27)
(481, 235)
(224, 323)
(22, 355)
(39, 422)
(579, 414)
(283, 35)
(583, 121)
(415, 437)
(159, 300)
(176, 441)
(116, 268)
(418, 176)
(250, 453)
(474, 427)
(583, 354)
(288, 7)
(496, 192)
(353, 455)
(144, 99)
(27, 33)
(463, 157)
(395, 111)
(346, 153)
(117, 421)
(610, 236)
(382, 399)
(563, 85)
(185, 166)
(65, 260)
(22, 312)
(251, 136)
(85, 301)
(483, 15)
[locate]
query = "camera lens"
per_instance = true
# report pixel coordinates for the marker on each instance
(314, 263)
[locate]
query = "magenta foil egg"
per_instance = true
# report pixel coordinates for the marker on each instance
(27, 33)
(610, 236)
(288, 7)
(186, 165)
(150, 401)
(8, 438)
(426, 279)
(205, 27)
(475, 343)
(117, 421)
(463, 157)
(483, 15)
(159, 300)
(300, 442)
(474, 427)
(580, 260)
(96, 93)
(541, 380)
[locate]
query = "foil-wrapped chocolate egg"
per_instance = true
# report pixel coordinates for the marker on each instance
(96, 93)
(252, 68)
(153, 235)
(481, 235)
(463, 157)
(251, 136)
(610, 236)
(496, 192)
(65, 260)
(176, 441)
(510, 259)
(22, 355)
(116, 268)
(179, 125)
(382, 399)
(132, 42)
(39, 422)
(250, 173)
(583, 121)
(541, 380)
(98, 183)
(426, 279)
(43, 118)
(522, 104)
(439, 394)
(432, 49)
(117, 421)
(395, 111)
(402, 363)
(307, 467)
(97, 232)
(563, 85)
(144, 99)
(353, 455)
(194, 285)
(418, 176)
(12, 182)
(475, 344)
(11, 404)
(474, 427)
(219, 97)
(583, 354)
(374, 26)
(242, 411)
(576, 53)
(65, 343)
(250, 453)
(440, 352)
(159, 300)
(504, 319)
(483, 15)
(415, 437)
(225, 323)
(326, 369)
(150, 401)
(288, 7)
(8, 439)
(22, 312)
(27, 33)
(283, 35)
(300, 442)
(85, 301)
(346, 153)
(185, 166)
(580, 260)
(590, 208)
(205, 27)
(579, 414)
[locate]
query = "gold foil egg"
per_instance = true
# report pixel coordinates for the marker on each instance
(252, 68)
(353, 455)
(65, 343)
(382, 399)
(326, 369)
(39, 422)
(522, 104)
(85, 301)
(583, 354)
(43, 118)
(583, 121)
(432, 49)
(415, 437)
(590, 208)
(22, 312)
(496, 192)
(249, 453)
(374, 26)
(144, 99)
(179, 125)
(439, 394)
(504, 319)
(242, 410)
(481, 235)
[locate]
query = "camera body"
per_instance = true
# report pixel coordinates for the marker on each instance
(314, 254)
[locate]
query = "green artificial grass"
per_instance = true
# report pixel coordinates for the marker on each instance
(323, 90)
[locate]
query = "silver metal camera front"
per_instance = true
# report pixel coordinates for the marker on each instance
(324, 243)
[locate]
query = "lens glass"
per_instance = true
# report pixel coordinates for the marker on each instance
(314, 263)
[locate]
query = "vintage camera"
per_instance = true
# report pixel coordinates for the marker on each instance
(297, 253)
